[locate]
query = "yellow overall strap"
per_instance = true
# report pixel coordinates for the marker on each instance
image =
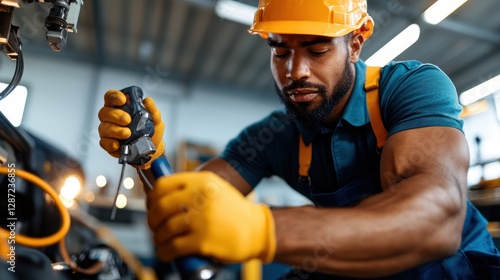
(372, 101)
(305, 156)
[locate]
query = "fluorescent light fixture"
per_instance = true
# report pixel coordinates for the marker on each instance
(396, 46)
(12, 106)
(440, 10)
(235, 11)
(480, 91)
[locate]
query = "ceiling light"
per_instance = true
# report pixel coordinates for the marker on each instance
(396, 46)
(235, 11)
(101, 181)
(13, 105)
(480, 91)
(440, 10)
(121, 201)
(128, 183)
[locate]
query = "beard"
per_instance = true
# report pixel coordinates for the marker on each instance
(311, 117)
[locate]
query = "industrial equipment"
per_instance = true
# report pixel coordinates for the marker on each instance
(42, 236)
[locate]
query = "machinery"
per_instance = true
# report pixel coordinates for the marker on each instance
(33, 242)
(42, 236)
(62, 18)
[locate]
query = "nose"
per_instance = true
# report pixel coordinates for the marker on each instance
(298, 68)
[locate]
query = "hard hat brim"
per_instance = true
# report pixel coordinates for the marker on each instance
(300, 27)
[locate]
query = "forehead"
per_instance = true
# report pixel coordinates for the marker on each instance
(299, 39)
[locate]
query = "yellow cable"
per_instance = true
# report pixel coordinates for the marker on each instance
(65, 218)
(60, 234)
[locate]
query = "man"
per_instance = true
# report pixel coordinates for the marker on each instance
(394, 212)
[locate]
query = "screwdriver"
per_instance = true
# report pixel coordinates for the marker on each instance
(136, 151)
(138, 148)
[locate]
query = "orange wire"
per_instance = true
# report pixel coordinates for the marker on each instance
(65, 218)
(60, 234)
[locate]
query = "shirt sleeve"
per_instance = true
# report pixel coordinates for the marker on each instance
(418, 95)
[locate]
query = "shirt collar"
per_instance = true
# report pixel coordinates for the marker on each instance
(355, 112)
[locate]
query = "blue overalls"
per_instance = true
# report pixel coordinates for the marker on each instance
(477, 257)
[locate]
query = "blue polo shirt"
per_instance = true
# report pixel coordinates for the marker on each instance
(345, 158)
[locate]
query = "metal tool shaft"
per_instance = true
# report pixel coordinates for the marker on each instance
(113, 209)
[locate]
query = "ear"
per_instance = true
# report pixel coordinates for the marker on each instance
(355, 45)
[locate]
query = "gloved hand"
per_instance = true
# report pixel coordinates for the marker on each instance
(114, 124)
(201, 214)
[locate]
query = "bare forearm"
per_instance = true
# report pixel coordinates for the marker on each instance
(382, 236)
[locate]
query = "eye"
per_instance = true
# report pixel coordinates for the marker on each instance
(318, 51)
(280, 52)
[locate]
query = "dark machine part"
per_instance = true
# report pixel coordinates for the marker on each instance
(114, 267)
(63, 17)
(22, 150)
(17, 148)
(8, 32)
(38, 217)
(10, 43)
(57, 26)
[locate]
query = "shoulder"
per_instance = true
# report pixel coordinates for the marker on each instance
(415, 94)
(411, 72)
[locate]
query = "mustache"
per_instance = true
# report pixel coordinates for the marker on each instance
(303, 84)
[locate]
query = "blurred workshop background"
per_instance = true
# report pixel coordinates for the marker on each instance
(210, 78)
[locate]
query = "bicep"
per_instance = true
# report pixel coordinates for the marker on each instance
(222, 168)
(434, 156)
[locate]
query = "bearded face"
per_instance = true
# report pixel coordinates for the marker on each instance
(309, 113)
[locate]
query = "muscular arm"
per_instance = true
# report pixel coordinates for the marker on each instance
(418, 218)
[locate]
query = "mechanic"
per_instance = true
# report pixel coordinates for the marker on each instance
(392, 211)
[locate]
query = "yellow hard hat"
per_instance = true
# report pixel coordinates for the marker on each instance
(332, 18)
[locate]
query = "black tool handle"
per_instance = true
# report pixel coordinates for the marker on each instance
(142, 123)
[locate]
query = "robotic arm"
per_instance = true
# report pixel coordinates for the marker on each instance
(63, 17)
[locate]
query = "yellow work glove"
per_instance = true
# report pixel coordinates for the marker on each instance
(201, 214)
(114, 124)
